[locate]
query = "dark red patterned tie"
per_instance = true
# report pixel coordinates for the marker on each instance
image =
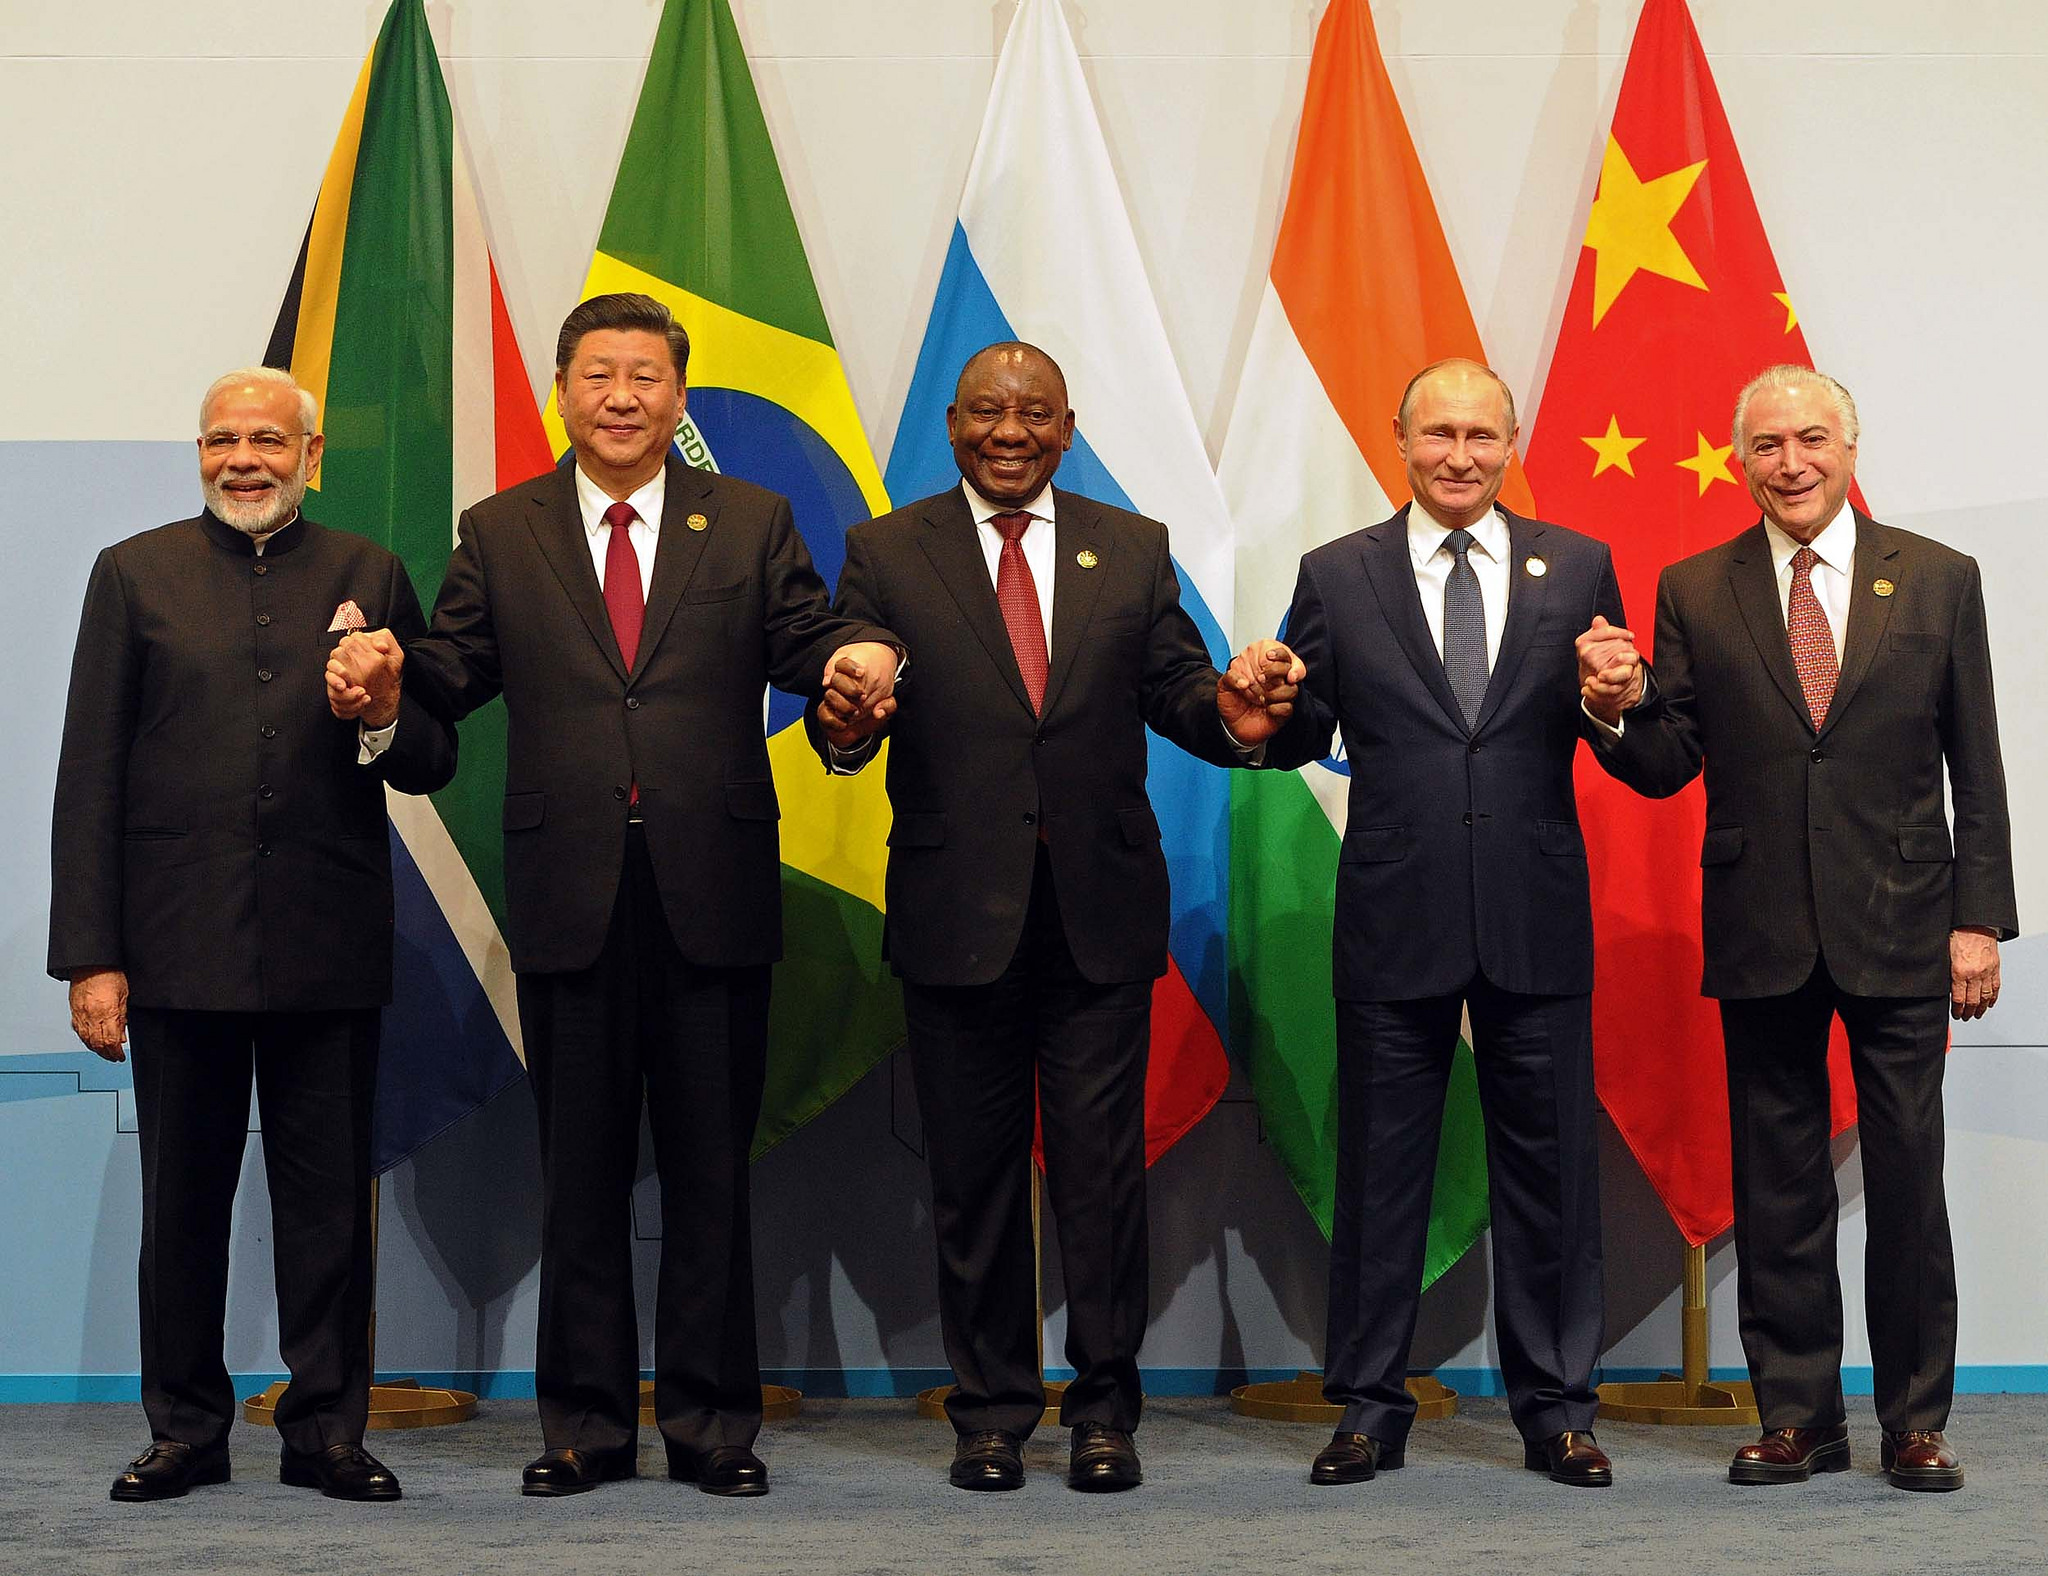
(1018, 597)
(1813, 643)
(623, 598)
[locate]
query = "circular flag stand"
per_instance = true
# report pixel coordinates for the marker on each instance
(1300, 1400)
(1685, 1398)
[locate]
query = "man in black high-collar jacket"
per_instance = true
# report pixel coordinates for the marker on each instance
(221, 892)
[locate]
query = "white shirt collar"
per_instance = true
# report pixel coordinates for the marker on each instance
(1835, 546)
(1426, 534)
(1040, 508)
(647, 499)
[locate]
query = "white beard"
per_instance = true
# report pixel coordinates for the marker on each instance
(258, 517)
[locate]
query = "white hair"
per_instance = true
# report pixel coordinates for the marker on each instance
(1792, 376)
(271, 377)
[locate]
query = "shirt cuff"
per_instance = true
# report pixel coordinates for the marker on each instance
(1250, 754)
(845, 763)
(1611, 729)
(375, 741)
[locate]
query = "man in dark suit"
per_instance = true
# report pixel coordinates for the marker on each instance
(1440, 642)
(1824, 668)
(221, 892)
(632, 611)
(1026, 893)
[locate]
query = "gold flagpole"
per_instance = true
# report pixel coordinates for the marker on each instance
(1686, 1397)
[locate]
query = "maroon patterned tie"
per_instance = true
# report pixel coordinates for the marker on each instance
(1018, 597)
(1813, 643)
(623, 598)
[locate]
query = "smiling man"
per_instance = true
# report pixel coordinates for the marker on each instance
(1826, 672)
(221, 893)
(632, 611)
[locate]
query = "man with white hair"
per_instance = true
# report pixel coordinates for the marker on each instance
(1823, 670)
(221, 897)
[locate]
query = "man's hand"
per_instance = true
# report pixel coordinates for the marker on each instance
(363, 678)
(1255, 694)
(1972, 972)
(860, 693)
(99, 1011)
(1610, 670)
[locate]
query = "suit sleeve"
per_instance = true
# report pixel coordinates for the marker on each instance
(422, 754)
(1968, 723)
(1307, 734)
(1607, 605)
(800, 630)
(87, 827)
(1660, 750)
(453, 668)
(859, 603)
(1178, 691)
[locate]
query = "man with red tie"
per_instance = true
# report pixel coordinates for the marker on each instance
(1827, 673)
(1027, 895)
(631, 610)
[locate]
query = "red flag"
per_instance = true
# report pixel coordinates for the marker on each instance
(1677, 302)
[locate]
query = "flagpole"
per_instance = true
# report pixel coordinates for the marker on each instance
(1686, 1397)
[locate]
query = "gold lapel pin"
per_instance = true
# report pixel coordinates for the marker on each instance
(1884, 588)
(697, 522)
(1086, 558)
(1535, 566)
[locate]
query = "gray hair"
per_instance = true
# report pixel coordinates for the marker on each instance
(1408, 394)
(270, 377)
(1790, 375)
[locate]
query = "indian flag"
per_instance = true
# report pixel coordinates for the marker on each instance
(1362, 294)
(699, 219)
(394, 319)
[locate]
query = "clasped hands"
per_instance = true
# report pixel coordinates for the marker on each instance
(1610, 670)
(363, 678)
(860, 693)
(1255, 694)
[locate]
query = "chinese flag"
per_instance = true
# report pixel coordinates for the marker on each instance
(1675, 305)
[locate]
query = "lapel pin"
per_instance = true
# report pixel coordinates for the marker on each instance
(1884, 588)
(697, 522)
(1535, 566)
(1086, 558)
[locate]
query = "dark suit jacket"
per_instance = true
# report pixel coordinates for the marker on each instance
(732, 607)
(1834, 844)
(213, 834)
(972, 771)
(1462, 848)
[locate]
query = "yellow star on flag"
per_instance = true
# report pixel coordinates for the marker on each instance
(1710, 465)
(1629, 228)
(1613, 449)
(1791, 317)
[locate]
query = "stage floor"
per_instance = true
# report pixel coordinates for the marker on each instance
(859, 1486)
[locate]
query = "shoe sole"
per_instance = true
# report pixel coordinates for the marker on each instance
(1927, 1480)
(738, 1491)
(983, 1485)
(1757, 1474)
(1096, 1483)
(206, 1477)
(299, 1477)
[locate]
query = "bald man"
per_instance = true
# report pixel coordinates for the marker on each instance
(1441, 642)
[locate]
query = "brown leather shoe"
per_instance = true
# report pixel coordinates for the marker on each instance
(1355, 1458)
(1920, 1458)
(1791, 1455)
(1573, 1457)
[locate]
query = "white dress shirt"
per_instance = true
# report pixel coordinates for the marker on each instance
(1041, 547)
(1835, 548)
(1433, 561)
(592, 501)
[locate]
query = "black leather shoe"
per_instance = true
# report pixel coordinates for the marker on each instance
(1572, 1458)
(732, 1470)
(346, 1471)
(990, 1460)
(554, 1472)
(1791, 1455)
(1103, 1461)
(166, 1470)
(1355, 1458)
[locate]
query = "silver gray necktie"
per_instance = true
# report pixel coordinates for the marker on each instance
(1464, 630)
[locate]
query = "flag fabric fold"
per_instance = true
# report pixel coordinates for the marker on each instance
(1676, 302)
(393, 318)
(1043, 251)
(1362, 294)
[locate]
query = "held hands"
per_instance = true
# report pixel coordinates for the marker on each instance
(1610, 670)
(860, 693)
(99, 1011)
(363, 678)
(1972, 971)
(1255, 694)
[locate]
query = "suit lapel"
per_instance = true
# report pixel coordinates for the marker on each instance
(557, 525)
(1392, 576)
(1527, 595)
(1869, 614)
(1754, 583)
(677, 548)
(1075, 590)
(950, 542)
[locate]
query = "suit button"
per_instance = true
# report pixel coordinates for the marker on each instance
(1473, 747)
(1039, 740)
(618, 793)
(263, 620)
(264, 675)
(263, 849)
(1030, 819)
(1820, 754)
(263, 569)
(268, 731)
(264, 791)
(1468, 817)
(632, 703)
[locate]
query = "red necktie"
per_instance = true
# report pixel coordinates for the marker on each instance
(1018, 597)
(1813, 643)
(623, 598)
